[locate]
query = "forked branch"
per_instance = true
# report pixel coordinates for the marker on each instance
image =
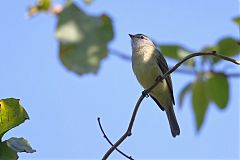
(160, 78)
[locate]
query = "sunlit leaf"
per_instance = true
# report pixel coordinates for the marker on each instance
(12, 114)
(83, 39)
(20, 145)
(7, 153)
(200, 101)
(218, 89)
(40, 6)
(176, 52)
(183, 92)
(236, 20)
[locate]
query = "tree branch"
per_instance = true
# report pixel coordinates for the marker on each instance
(105, 136)
(120, 54)
(125, 57)
(128, 132)
(159, 79)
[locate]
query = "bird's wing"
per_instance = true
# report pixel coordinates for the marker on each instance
(162, 63)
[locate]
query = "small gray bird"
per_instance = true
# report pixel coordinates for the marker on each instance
(148, 63)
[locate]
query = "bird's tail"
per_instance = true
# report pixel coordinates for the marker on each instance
(173, 122)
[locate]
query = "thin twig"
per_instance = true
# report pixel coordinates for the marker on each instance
(213, 53)
(105, 136)
(186, 71)
(120, 54)
(159, 79)
(128, 132)
(232, 75)
(126, 57)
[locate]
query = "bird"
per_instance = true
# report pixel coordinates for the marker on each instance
(147, 64)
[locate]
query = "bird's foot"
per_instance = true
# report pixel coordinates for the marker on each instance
(159, 78)
(145, 94)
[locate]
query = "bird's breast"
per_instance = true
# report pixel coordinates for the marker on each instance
(145, 67)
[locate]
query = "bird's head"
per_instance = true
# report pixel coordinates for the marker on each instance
(139, 40)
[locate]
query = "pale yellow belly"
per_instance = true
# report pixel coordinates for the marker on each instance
(146, 74)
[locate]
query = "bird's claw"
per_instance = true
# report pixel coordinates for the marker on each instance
(145, 94)
(159, 78)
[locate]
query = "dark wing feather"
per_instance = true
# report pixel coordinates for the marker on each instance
(162, 63)
(159, 105)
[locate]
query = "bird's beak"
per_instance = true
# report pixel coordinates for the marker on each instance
(131, 36)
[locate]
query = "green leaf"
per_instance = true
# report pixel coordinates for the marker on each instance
(200, 101)
(20, 145)
(12, 114)
(209, 49)
(183, 92)
(7, 153)
(83, 39)
(10, 148)
(236, 20)
(176, 52)
(44, 5)
(228, 47)
(218, 89)
(88, 1)
(40, 6)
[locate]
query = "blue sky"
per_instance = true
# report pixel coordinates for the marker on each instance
(64, 107)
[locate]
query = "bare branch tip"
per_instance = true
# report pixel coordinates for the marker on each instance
(108, 140)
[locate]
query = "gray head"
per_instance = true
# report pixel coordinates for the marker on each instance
(139, 40)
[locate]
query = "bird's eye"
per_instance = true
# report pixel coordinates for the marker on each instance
(142, 37)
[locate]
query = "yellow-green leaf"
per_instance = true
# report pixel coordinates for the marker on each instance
(40, 6)
(83, 39)
(218, 89)
(44, 5)
(10, 148)
(12, 114)
(236, 20)
(176, 52)
(200, 101)
(7, 153)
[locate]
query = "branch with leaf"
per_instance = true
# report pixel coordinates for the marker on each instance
(12, 114)
(83, 44)
(197, 91)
